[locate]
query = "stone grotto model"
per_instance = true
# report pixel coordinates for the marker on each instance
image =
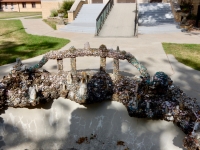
(144, 96)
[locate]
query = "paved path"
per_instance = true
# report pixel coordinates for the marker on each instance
(59, 125)
(120, 21)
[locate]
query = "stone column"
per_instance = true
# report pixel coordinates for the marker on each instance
(87, 45)
(73, 62)
(73, 66)
(116, 66)
(103, 64)
(103, 54)
(60, 64)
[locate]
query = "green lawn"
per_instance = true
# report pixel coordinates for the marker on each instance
(188, 54)
(4, 15)
(16, 43)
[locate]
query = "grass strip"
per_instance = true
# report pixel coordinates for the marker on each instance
(52, 24)
(5, 15)
(188, 54)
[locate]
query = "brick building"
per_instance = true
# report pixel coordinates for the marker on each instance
(20, 5)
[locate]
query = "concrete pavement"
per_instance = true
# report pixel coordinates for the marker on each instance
(60, 124)
(120, 21)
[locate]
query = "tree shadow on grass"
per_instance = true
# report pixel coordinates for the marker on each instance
(189, 62)
(11, 50)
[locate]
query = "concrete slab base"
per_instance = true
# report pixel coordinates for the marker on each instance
(64, 123)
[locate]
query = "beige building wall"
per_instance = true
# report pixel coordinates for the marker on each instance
(47, 6)
(18, 7)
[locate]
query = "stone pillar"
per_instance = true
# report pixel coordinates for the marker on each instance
(87, 46)
(60, 64)
(103, 54)
(116, 66)
(73, 62)
(103, 64)
(73, 66)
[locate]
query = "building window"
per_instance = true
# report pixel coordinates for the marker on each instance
(23, 5)
(33, 5)
(6, 6)
(12, 7)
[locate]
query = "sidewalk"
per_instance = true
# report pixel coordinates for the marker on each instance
(59, 124)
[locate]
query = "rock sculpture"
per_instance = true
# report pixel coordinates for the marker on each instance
(143, 96)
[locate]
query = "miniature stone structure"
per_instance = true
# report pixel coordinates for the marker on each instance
(144, 96)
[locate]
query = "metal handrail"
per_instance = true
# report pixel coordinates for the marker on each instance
(136, 19)
(103, 15)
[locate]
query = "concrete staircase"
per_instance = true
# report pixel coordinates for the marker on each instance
(156, 18)
(120, 22)
(85, 22)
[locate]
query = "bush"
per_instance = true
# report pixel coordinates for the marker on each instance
(61, 11)
(66, 5)
(54, 13)
(186, 6)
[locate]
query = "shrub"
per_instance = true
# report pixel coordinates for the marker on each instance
(186, 6)
(54, 13)
(61, 11)
(66, 5)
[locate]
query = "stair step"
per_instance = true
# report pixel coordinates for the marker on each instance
(156, 18)
(85, 21)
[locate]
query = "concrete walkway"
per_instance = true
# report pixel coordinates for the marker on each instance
(120, 21)
(61, 124)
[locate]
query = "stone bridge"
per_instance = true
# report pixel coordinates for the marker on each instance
(144, 96)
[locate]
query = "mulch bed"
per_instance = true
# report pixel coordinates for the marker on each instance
(193, 22)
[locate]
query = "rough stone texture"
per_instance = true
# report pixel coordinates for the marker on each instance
(156, 98)
(156, 134)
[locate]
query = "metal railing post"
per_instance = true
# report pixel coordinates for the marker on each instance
(103, 15)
